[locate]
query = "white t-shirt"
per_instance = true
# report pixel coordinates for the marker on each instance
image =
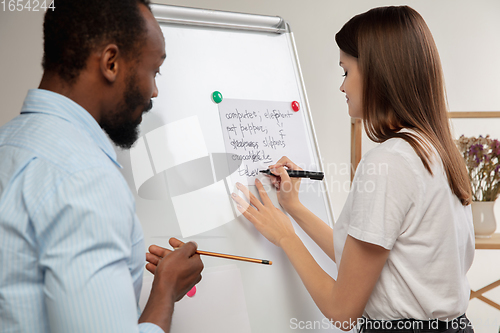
(397, 204)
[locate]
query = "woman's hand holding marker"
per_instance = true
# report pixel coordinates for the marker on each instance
(287, 187)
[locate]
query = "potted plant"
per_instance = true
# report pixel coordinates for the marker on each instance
(482, 157)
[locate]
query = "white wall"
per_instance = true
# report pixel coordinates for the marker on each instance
(467, 34)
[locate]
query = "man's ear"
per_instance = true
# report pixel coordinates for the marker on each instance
(109, 62)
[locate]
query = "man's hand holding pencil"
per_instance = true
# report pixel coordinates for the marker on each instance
(176, 272)
(180, 268)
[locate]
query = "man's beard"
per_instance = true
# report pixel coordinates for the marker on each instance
(121, 128)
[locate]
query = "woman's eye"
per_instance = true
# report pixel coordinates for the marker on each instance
(345, 74)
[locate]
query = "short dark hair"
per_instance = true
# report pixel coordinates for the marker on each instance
(76, 28)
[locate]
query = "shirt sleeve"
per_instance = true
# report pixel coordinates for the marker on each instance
(150, 328)
(85, 229)
(383, 192)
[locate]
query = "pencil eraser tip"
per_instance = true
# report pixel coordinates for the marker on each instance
(192, 292)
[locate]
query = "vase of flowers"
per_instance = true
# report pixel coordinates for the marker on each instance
(482, 157)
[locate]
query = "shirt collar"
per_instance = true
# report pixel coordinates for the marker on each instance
(48, 102)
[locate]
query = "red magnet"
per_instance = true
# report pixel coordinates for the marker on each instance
(192, 292)
(295, 106)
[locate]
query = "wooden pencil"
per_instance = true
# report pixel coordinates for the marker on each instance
(230, 256)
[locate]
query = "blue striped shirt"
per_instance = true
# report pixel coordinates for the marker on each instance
(71, 247)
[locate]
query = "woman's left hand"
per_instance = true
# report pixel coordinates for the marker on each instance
(271, 222)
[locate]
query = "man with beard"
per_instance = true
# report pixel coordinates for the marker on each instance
(71, 246)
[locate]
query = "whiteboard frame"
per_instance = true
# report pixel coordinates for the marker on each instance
(218, 19)
(242, 21)
(274, 27)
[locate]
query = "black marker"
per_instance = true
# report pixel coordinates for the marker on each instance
(316, 175)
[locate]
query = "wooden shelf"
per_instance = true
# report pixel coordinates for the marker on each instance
(492, 243)
(474, 114)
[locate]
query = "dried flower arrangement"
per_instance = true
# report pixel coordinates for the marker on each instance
(482, 157)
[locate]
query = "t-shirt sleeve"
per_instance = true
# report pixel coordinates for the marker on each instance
(383, 190)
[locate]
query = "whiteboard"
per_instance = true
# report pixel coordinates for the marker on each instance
(176, 169)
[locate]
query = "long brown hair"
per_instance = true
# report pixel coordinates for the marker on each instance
(403, 86)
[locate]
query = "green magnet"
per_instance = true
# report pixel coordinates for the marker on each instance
(217, 97)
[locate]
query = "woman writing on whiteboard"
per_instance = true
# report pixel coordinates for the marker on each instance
(404, 240)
